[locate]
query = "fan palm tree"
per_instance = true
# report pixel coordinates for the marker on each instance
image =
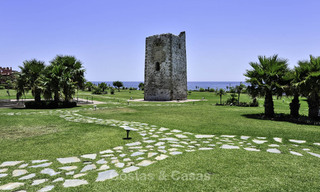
(310, 84)
(239, 89)
(221, 92)
(66, 74)
(31, 78)
(266, 77)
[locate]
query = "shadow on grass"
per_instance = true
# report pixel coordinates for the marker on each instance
(304, 120)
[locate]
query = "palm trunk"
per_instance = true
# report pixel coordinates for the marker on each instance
(313, 103)
(220, 99)
(268, 105)
(56, 96)
(295, 106)
(238, 98)
(37, 95)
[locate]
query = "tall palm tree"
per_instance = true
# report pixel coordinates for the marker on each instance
(293, 77)
(266, 77)
(239, 89)
(221, 92)
(310, 84)
(67, 74)
(31, 78)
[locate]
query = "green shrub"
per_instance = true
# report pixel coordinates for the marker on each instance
(97, 90)
(211, 90)
(2, 87)
(112, 91)
(202, 89)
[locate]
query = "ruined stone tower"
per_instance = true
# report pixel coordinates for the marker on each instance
(165, 76)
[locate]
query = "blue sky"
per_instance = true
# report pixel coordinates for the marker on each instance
(109, 36)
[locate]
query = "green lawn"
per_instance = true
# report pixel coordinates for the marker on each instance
(42, 134)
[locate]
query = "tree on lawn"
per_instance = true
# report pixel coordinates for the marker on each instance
(310, 84)
(118, 84)
(221, 92)
(239, 89)
(141, 86)
(266, 77)
(31, 78)
(103, 86)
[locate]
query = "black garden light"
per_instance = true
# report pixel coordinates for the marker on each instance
(128, 129)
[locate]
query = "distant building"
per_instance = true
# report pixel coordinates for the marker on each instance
(165, 68)
(7, 73)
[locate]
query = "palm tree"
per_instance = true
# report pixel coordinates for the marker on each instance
(89, 85)
(266, 77)
(239, 89)
(221, 92)
(103, 86)
(67, 75)
(31, 78)
(293, 78)
(310, 84)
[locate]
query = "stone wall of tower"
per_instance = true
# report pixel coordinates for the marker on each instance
(165, 68)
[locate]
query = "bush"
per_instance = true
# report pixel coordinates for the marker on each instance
(112, 91)
(97, 90)
(49, 104)
(211, 90)
(202, 90)
(2, 87)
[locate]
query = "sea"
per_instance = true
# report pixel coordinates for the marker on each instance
(192, 85)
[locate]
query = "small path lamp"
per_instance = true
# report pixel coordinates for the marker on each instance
(128, 129)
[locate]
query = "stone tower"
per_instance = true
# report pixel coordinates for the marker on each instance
(165, 76)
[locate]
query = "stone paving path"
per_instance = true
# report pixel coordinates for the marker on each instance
(157, 144)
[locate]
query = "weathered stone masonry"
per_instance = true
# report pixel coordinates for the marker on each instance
(165, 68)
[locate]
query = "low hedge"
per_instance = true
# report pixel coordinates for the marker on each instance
(49, 104)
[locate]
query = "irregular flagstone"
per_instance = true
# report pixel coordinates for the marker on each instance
(251, 149)
(317, 144)
(68, 160)
(104, 167)
(127, 159)
(261, 138)
(168, 139)
(68, 168)
(11, 186)
(58, 179)
(151, 154)
(102, 176)
(19, 172)
(106, 151)
(70, 173)
(145, 163)
(88, 168)
(175, 153)
(89, 156)
(296, 153)
(176, 131)
(46, 188)
(297, 141)
(10, 163)
(32, 175)
(160, 143)
(244, 137)
(39, 181)
(161, 157)
(205, 148)
(118, 148)
(273, 145)
(41, 165)
(130, 169)
(49, 171)
(273, 151)
(23, 166)
(119, 165)
(181, 136)
(259, 141)
(3, 170)
(3, 175)
(74, 182)
(133, 144)
(277, 139)
(38, 161)
(101, 161)
(79, 175)
(228, 136)
(204, 136)
(314, 154)
(229, 147)
(136, 154)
